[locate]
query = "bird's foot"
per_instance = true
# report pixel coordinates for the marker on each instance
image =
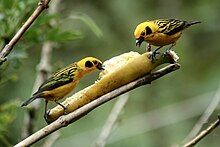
(65, 110)
(64, 107)
(46, 114)
(167, 51)
(153, 55)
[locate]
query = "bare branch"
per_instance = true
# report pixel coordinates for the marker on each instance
(42, 5)
(205, 116)
(65, 120)
(111, 120)
(203, 134)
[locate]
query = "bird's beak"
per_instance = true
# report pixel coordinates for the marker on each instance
(139, 41)
(100, 67)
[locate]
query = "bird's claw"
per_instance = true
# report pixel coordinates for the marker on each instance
(64, 108)
(153, 55)
(65, 111)
(46, 114)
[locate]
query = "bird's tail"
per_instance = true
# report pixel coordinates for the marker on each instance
(29, 101)
(192, 23)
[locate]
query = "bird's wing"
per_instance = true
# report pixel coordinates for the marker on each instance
(59, 78)
(170, 26)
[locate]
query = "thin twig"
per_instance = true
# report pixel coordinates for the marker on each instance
(111, 120)
(65, 120)
(205, 116)
(203, 134)
(42, 5)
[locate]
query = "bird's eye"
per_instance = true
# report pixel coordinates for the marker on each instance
(148, 30)
(95, 62)
(88, 64)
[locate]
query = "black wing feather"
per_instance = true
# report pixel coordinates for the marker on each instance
(170, 26)
(59, 78)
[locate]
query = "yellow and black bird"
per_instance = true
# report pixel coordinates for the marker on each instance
(64, 81)
(160, 32)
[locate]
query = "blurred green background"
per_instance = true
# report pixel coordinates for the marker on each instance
(159, 115)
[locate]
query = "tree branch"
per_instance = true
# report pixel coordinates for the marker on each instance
(205, 116)
(111, 120)
(65, 120)
(203, 134)
(42, 5)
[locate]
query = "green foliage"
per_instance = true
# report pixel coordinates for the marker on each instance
(89, 22)
(7, 116)
(56, 35)
(12, 15)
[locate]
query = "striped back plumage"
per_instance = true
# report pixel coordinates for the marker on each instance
(172, 26)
